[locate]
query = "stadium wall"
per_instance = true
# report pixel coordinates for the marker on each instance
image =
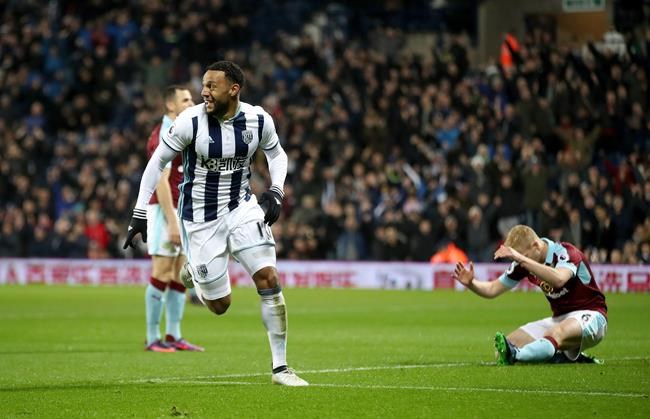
(300, 274)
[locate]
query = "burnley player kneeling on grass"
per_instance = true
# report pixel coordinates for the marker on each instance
(579, 319)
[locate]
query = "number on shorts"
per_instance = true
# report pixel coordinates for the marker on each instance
(265, 230)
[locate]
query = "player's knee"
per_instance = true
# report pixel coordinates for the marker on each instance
(557, 337)
(266, 278)
(166, 277)
(162, 269)
(219, 306)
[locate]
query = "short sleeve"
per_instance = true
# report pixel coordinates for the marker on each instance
(180, 133)
(270, 137)
(564, 261)
(511, 277)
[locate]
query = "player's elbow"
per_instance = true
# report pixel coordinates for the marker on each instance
(561, 277)
(492, 294)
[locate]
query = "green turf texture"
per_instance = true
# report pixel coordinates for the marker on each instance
(78, 352)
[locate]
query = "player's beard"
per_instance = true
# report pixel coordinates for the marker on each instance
(219, 109)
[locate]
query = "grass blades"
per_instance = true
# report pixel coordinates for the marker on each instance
(79, 352)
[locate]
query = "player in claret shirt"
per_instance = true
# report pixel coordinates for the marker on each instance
(579, 319)
(165, 287)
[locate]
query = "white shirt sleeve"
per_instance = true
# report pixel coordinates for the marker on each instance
(505, 278)
(275, 155)
(159, 159)
(269, 138)
(278, 163)
(563, 261)
(160, 140)
(180, 133)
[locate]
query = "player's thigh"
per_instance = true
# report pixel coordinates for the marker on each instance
(162, 268)
(590, 325)
(252, 245)
(536, 329)
(207, 257)
(567, 333)
(258, 261)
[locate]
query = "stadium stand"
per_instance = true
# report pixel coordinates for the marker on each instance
(393, 154)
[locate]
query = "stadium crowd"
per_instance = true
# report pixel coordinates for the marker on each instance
(393, 155)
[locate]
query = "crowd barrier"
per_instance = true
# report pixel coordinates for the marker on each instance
(300, 274)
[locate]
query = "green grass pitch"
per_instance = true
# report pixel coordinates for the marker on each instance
(78, 352)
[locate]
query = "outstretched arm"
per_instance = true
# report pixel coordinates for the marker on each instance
(152, 173)
(278, 162)
(271, 200)
(486, 289)
(150, 178)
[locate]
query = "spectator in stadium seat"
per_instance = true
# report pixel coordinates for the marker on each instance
(11, 240)
(535, 182)
(39, 245)
(77, 242)
(422, 243)
(350, 244)
(510, 207)
(477, 236)
(96, 59)
(644, 253)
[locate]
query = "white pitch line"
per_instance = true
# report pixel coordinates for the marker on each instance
(350, 369)
(488, 390)
(434, 388)
(321, 371)
(340, 370)
(630, 358)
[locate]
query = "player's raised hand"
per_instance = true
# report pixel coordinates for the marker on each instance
(138, 225)
(507, 252)
(464, 275)
(271, 203)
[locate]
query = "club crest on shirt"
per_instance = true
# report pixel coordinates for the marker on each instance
(202, 270)
(247, 136)
(546, 287)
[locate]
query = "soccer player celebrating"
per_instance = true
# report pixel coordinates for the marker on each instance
(219, 214)
(579, 319)
(164, 240)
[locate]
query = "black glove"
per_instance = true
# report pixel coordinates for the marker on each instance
(271, 203)
(138, 225)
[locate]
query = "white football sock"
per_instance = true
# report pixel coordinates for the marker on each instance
(274, 316)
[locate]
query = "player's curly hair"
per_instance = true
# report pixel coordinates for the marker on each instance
(232, 71)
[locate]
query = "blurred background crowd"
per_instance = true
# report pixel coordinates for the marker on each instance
(393, 154)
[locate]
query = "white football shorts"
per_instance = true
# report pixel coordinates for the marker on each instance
(593, 324)
(240, 233)
(158, 243)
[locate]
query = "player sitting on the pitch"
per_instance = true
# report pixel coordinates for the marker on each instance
(562, 272)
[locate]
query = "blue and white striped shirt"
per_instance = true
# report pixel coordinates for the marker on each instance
(216, 158)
